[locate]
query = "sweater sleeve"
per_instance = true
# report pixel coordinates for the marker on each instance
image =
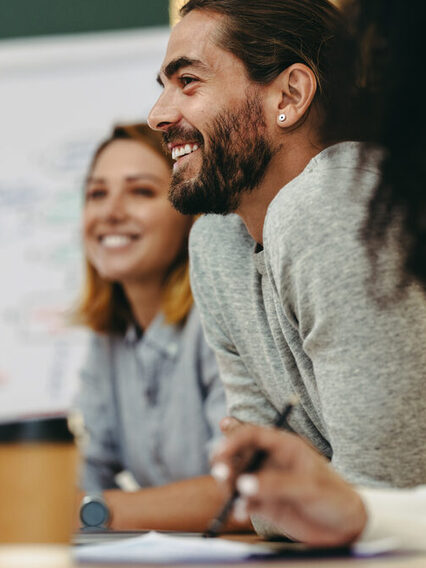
(214, 394)
(211, 281)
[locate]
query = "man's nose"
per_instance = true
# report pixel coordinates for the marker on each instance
(163, 114)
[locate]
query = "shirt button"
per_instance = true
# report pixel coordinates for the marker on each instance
(172, 349)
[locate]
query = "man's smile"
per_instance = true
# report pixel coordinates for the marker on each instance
(180, 150)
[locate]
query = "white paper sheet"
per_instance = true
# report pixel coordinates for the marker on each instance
(160, 548)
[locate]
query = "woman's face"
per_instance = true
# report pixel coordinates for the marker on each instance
(131, 232)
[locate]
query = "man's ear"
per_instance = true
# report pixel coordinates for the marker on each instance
(293, 92)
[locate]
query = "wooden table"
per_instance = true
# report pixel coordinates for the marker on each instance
(39, 556)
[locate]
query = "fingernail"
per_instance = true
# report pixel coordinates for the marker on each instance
(220, 471)
(225, 423)
(248, 485)
(240, 510)
(217, 447)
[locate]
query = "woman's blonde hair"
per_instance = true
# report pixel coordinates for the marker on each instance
(103, 305)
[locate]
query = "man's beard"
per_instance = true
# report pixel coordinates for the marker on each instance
(234, 163)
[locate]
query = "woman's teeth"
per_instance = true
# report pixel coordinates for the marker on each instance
(115, 241)
(179, 151)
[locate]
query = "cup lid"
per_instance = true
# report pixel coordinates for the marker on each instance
(37, 430)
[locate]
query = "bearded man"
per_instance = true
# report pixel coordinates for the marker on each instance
(256, 109)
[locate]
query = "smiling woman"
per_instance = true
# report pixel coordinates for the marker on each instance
(150, 393)
(130, 172)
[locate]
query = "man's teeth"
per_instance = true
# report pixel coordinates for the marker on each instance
(115, 241)
(179, 151)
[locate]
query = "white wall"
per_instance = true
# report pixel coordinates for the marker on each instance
(58, 97)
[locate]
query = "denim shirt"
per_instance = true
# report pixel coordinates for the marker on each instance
(151, 405)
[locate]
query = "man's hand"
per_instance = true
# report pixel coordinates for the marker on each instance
(296, 488)
(228, 425)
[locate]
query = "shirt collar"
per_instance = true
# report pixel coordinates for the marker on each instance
(160, 335)
(259, 259)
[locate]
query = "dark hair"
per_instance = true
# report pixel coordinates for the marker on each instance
(392, 55)
(270, 36)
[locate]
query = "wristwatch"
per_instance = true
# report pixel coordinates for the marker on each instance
(94, 512)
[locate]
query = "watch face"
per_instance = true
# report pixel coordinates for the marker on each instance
(94, 514)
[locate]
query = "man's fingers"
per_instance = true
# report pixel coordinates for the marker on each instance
(287, 458)
(272, 486)
(229, 424)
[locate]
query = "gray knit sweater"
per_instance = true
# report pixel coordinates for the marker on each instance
(296, 317)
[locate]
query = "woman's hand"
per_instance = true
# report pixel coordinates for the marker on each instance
(296, 487)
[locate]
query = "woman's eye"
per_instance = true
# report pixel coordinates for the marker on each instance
(95, 194)
(147, 192)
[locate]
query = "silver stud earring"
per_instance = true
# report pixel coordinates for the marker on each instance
(282, 117)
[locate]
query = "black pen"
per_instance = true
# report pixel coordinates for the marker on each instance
(253, 465)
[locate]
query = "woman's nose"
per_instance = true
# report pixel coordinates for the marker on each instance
(115, 209)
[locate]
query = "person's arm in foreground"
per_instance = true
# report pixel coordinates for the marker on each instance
(296, 488)
(302, 495)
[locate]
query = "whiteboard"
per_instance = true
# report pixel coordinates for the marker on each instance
(59, 96)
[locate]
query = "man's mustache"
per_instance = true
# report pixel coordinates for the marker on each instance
(177, 133)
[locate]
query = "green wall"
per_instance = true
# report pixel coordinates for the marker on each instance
(21, 18)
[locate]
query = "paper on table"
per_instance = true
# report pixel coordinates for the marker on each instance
(160, 548)
(375, 547)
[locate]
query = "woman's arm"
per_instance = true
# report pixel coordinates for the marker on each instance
(187, 505)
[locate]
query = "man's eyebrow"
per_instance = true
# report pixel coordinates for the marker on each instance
(173, 67)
